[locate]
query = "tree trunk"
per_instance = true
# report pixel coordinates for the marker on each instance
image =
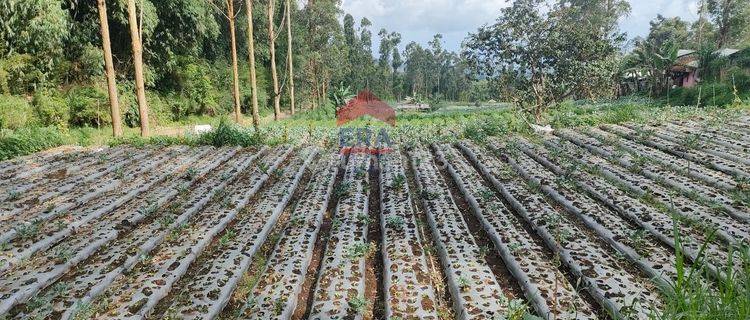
(114, 104)
(251, 53)
(272, 48)
(140, 87)
(289, 52)
(235, 69)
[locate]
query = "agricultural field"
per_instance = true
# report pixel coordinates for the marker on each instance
(605, 222)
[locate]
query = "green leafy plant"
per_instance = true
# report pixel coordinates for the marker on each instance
(359, 250)
(398, 182)
(395, 222)
(228, 236)
(358, 304)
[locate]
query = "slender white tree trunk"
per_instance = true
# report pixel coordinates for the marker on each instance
(251, 53)
(114, 104)
(274, 75)
(290, 58)
(140, 87)
(235, 68)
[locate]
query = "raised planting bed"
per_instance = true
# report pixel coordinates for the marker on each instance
(475, 291)
(340, 288)
(696, 142)
(45, 161)
(208, 289)
(34, 209)
(724, 137)
(645, 154)
(99, 255)
(90, 166)
(409, 291)
(109, 212)
(548, 290)
(152, 279)
(658, 223)
(627, 238)
(280, 285)
(685, 185)
(726, 227)
(649, 138)
(612, 283)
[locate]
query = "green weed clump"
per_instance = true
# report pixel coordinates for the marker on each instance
(228, 134)
(15, 113)
(29, 140)
(723, 297)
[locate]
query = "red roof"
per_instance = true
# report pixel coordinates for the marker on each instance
(366, 103)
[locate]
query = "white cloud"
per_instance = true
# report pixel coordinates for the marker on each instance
(419, 20)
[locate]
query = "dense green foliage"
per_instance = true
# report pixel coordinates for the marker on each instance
(727, 297)
(29, 140)
(721, 24)
(539, 54)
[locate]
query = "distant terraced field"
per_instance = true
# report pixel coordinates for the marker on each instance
(575, 225)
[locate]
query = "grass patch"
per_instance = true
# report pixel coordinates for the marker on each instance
(413, 127)
(29, 140)
(695, 298)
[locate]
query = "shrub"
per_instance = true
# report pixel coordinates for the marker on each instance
(50, 109)
(89, 107)
(29, 140)
(89, 64)
(19, 74)
(710, 94)
(196, 86)
(227, 134)
(15, 113)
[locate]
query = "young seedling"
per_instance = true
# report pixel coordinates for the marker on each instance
(28, 230)
(514, 247)
(692, 141)
(363, 218)
(395, 222)
(297, 220)
(335, 223)
(225, 176)
(359, 250)
(150, 208)
(463, 283)
(518, 310)
(361, 173)
(191, 173)
(398, 182)
(13, 195)
(358, 304)
(224, 240)
(166, 221)
(103, 158)
(342, 190)
(429, 195)
(638, 239)
(63, 255)
(278, 306)
(486, 194)
(119, 173)
(263, 167)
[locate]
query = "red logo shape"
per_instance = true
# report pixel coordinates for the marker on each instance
(366, 103)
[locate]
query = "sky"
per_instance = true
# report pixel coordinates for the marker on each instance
(419, 20)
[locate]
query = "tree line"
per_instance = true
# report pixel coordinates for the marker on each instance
(199, 57)
(179, 58)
